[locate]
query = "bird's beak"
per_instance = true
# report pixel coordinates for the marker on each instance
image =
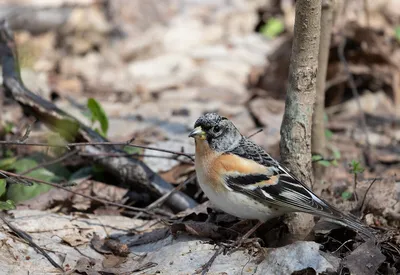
(197, 132)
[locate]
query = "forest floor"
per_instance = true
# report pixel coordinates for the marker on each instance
(152, 68)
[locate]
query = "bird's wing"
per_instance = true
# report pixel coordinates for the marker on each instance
(273, 185)
(277, 186)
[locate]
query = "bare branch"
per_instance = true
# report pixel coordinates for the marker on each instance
(81, 144)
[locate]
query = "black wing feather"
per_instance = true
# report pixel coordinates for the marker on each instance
(244, 180)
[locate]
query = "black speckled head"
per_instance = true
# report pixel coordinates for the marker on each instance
(220, 133)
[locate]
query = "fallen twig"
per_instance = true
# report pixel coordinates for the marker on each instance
(343, 245)
(365, 195)
(137, 209)
(28, 239)
(81, 144)
(206, 267)
(161, 200)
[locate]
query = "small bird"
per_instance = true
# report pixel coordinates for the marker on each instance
(241, 179)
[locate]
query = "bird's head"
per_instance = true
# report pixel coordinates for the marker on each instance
(219, 132)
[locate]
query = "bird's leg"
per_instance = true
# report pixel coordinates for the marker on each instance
(239, 242)
(250, 232)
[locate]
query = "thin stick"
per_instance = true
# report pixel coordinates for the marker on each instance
(365, 195)
(81, 144)
(131, 145)
(28, 239)
(165, 197)
(206, 267)
(51, 162)
(26, 135)
(355, 188)
(21, 181)
(106, 154)
(255, 133)
(343, 245)
(79, 194)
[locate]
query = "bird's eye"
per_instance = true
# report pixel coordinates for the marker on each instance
(216, 129)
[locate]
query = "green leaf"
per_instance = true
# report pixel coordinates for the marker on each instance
(55, 139)
(3, 185)
(8, 153)
(98, 114)
(355, 167)
(8, 126)
(272, 28)
(316, 158)
(7, 205)
(133, 150)
(20, 192)
(6, 163)
(325, 163)
(397, 33)
(346, 195)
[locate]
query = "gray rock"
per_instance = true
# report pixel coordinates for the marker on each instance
(186, 254)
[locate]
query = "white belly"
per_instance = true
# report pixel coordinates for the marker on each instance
(237, 204)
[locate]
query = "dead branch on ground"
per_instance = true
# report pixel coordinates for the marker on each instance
(129, 172)
(9, 175)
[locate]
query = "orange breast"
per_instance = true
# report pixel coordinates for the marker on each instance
(229, 163)
(212, 166)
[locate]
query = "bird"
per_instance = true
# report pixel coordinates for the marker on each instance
(240, 178)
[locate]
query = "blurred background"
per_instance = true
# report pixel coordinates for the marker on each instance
(156, 66)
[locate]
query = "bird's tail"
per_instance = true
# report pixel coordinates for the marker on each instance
(353, 223)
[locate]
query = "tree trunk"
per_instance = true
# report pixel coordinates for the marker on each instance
(318, 128)
(296, 125)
